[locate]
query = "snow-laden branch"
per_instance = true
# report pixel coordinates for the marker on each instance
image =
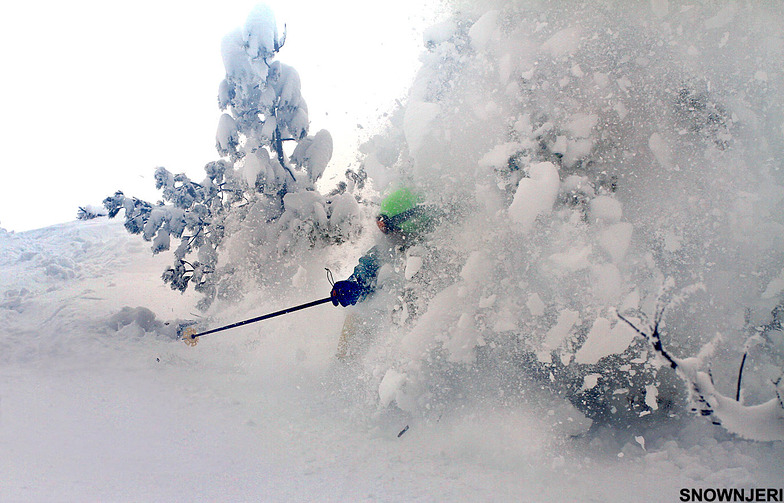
(763, 422)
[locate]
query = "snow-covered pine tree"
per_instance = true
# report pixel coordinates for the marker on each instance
(257, 194)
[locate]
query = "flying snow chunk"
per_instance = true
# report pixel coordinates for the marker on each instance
(576, 150)
(606, 283)
(485, 302)
(300, 278)
(498, 157)
(416, 123)
(640, 440)
(775, 287)
(581, 125)
(601, 79)
(505, 321)
(593, 349)
(660, 8)
(651, 393)
(661, 150)
(390, 387)
(440, 33)
(413, 265)
(535, 195)
(476, 269)
(723, 17)
(557, 334)
(137, 321)
(523, 125)
(621, 110)
(535, 304)
(483, 30)
(604, 340)
(563, 43)
(463, 338)
(590, 381)
(572, 260)
(615, 240)
(605, 209)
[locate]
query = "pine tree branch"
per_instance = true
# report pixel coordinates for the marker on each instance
(278, 143)
(282, 40)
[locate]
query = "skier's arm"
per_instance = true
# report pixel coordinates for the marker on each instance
(361, 283)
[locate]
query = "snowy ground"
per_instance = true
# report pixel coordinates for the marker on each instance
(92, 413)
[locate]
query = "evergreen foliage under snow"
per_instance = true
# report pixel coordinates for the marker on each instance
(256, 203)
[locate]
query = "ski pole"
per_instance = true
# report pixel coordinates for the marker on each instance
(189, 336)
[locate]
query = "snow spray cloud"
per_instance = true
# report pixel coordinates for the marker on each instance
(602, 158)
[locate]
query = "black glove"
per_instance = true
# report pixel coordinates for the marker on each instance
(346, 293)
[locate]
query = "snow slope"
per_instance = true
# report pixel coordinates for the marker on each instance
(90, 412)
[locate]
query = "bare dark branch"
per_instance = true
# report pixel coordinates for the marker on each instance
(654, 337)
(740, 376)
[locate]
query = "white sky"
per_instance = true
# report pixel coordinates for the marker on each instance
(96, 94)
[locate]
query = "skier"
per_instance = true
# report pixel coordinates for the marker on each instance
(404, 220)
